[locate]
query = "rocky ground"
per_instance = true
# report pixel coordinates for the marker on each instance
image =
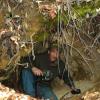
(90, 91)
(10, 94)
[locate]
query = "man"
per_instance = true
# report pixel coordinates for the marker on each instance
(46, 67)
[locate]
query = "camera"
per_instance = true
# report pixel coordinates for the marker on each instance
(47, 75)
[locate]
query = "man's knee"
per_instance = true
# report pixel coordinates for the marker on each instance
(28, 82)
(27, 74)
(26, 71)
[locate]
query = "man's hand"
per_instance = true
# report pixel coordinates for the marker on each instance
(75, 91)
(37, 71)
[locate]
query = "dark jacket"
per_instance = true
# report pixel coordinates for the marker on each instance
(55, 69)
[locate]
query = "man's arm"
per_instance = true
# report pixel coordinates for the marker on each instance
(32, 64)
(26, 61)
(65, 75)
(35, 68)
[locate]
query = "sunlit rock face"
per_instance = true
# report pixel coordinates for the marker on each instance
(10, 94)
(92, 96)
(17, 28)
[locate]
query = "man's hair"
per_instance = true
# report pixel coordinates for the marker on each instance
(54, 46)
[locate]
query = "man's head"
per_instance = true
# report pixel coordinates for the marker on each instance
(53, 53)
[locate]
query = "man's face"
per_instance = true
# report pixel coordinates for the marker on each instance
(53, 54)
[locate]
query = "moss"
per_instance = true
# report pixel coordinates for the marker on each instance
(82, 10)
(40, 37)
